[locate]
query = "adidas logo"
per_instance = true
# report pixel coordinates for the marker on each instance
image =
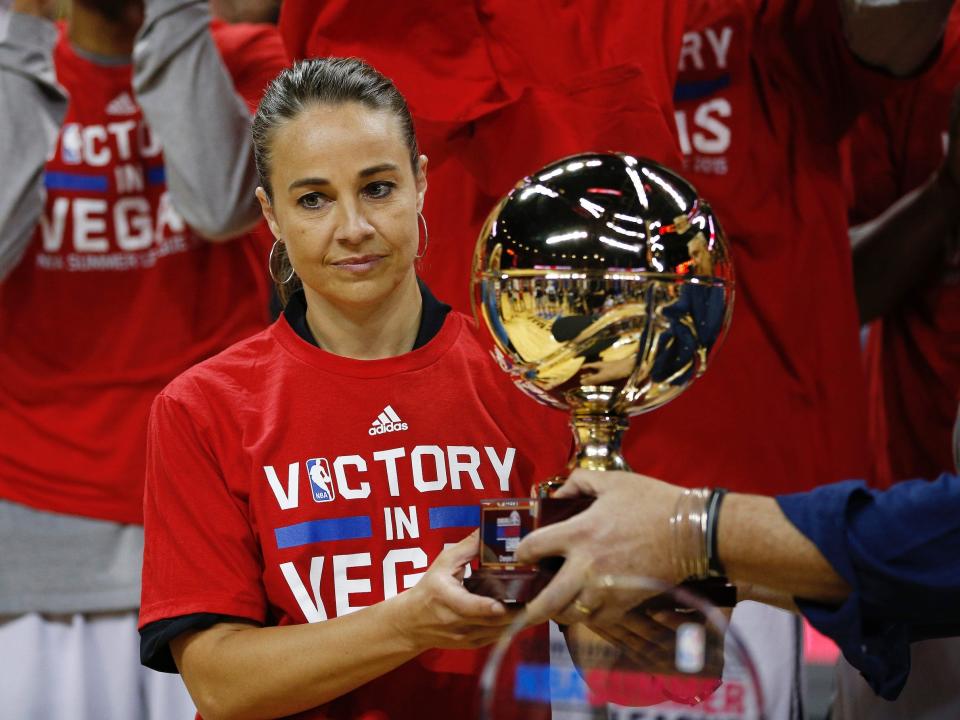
(387, 421)
(122, 104)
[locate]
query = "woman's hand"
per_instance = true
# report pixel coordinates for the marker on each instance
(438, 612)
(235, 670)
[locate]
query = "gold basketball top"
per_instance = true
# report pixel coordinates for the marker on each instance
(604, 284)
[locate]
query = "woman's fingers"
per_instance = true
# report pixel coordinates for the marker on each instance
(454, 557)
(477, 608)
(475, 637)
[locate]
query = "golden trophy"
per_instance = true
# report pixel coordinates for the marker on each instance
(604, 286)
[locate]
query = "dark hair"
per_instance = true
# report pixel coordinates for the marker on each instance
(325, 81)
(321, 81)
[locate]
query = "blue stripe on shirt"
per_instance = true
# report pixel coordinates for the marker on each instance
(357, 527)
(455, 516)
(699, 89)
(75, 181)
(157, 175)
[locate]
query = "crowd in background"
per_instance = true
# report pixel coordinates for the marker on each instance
(131, 248)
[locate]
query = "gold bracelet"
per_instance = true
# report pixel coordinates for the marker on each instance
(688, 528)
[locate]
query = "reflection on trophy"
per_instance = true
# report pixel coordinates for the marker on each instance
(604, 284)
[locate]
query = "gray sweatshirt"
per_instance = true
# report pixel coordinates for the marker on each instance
(53, 563)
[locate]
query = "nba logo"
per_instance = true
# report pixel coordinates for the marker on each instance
(321, 484)
(70, 144)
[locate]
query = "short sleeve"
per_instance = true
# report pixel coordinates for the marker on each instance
(200, 553)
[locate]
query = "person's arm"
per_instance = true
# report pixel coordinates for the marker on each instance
(871, 570)
(245, 672)
(899, 550)
(626, 533)
(189, 101)
(759, 547)
(33, 109)
(897, 250)
(895, 35)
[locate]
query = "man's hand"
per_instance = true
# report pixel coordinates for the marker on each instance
(622, 537)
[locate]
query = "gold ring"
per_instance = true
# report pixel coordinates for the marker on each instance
(580, 607)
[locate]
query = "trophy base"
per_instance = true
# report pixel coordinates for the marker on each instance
(516, 586)
(519, 585)
(717, 591)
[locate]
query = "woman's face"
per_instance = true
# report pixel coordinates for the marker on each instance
(345, 202)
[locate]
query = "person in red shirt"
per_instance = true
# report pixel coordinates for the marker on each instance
(310, 491)
(765, 92)
(910, 290)
(109, 287)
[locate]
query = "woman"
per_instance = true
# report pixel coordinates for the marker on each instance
(309, 489)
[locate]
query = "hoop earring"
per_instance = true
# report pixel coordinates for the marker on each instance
(426, 236)
(277, 280)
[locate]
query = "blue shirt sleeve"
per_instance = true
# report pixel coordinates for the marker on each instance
(899, 550)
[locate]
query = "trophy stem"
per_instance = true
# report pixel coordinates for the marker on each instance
(597, 441)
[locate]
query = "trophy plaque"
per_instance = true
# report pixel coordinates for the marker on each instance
(603, 285)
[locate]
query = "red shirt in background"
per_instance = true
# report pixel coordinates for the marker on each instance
(115, 295)
(912, 356)
(499, 88)
(765, 92)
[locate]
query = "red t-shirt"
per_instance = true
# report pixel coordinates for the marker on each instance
(115, 295)
(765, 91)
(912, 357)
(500, 88)
(288, 485)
